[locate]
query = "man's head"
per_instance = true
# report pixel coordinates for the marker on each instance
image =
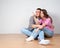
(38, 11)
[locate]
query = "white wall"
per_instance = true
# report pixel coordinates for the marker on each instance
(14, 14)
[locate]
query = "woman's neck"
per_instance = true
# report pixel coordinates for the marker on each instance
(43, 18)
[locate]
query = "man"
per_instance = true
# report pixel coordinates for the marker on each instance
(32, 23)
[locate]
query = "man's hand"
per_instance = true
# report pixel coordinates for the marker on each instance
(33, 13)
(37, 30)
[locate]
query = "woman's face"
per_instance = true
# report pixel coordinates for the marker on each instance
(42, 15)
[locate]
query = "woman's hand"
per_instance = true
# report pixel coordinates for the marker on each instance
(40, 26)
(35, 26)
(36, 20)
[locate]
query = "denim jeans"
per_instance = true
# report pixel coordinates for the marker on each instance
(41, 33)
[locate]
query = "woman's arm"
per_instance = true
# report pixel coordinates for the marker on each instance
(45, 23)
(35, 26)
(42, 26)
(36, 20)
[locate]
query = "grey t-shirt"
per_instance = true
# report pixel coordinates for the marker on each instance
(31, 21)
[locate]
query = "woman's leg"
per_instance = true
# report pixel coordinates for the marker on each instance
(26, 31)
(41, 36)
(44, 32)
(47, 32)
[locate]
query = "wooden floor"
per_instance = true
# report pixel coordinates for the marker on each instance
(18, 41)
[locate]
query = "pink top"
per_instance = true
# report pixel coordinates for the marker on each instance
(48, 23)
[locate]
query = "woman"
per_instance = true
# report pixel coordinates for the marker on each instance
(45, 29)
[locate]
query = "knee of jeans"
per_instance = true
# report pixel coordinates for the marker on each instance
(22, 30)
(34, 29)
(49, 36)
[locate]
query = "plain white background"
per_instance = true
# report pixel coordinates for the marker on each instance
(14, 14)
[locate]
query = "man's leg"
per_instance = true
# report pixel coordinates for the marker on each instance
(26, 31)
(33, 35)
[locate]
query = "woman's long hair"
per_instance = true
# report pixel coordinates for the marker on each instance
(46, 14)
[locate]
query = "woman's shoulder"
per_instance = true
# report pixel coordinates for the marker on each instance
(48, 19)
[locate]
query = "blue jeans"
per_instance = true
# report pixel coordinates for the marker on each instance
(45, 32)
(42, 33)
(29, 32)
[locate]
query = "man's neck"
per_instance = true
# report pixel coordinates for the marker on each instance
(37, 17)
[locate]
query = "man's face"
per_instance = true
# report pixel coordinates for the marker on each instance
(38, 13)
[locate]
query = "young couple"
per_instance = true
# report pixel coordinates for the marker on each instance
(40, 26)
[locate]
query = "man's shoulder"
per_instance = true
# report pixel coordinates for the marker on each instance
(32, 16)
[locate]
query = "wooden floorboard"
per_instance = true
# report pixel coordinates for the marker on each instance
(18, 41)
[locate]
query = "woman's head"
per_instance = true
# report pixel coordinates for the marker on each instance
(44, 14)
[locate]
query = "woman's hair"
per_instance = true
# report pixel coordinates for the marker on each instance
(46, 14)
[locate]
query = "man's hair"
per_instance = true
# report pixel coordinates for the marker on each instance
(38, 9)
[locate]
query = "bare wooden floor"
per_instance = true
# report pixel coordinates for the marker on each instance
(18, 41)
